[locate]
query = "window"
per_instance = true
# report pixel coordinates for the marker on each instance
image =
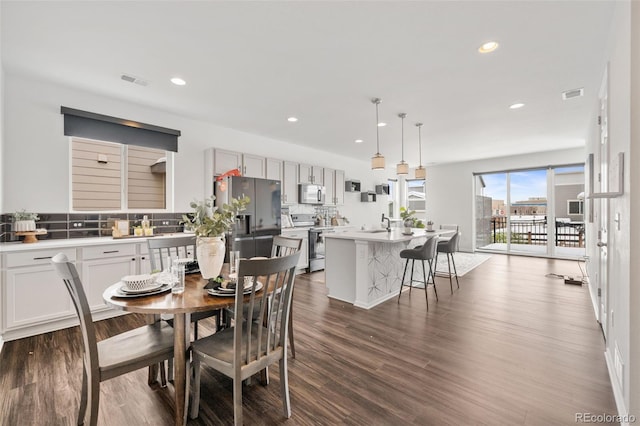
(575, 207)
(103, 171)
(416, 197)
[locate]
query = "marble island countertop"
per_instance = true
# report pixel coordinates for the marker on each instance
(383, 236)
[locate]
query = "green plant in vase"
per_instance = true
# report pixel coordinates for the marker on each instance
(210, 227)
(409, 218)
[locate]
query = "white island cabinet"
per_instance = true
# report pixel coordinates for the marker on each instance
(365, 268)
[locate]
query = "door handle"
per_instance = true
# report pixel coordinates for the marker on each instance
(601, 244)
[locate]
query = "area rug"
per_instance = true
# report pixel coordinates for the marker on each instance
(465, 262)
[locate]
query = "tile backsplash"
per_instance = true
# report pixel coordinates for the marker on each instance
(82, 225)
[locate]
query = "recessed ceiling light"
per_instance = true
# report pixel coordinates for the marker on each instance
(292, 119)
(358, 140)
(516, 106)
(487, 47)
(178, 81)
(382, 124)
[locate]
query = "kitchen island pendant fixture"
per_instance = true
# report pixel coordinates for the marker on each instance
(377, 161)
(403, 167)
(421, 172)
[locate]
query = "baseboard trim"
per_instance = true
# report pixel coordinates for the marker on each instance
(617, 392)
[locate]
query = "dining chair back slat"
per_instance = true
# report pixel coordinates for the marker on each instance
(175, 247)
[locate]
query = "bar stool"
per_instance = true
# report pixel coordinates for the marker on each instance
(449, 247)
(427, 252)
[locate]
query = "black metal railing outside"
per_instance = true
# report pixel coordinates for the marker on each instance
(533, 231)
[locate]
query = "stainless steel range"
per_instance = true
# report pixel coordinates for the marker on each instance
(316, 239)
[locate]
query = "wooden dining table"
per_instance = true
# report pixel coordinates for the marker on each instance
(194, 299)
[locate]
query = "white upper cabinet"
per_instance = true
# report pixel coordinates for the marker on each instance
(334, 185)
(339, 187)
(274, 169)
(254, 166)
(249, 165)
(311, 174)
(226, 160)
(289, 182)
(329, 177)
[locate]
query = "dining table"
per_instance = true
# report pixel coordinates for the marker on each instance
(194, 299)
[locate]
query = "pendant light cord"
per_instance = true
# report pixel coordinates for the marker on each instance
(419, 125)
(402, 116)
(377, 101)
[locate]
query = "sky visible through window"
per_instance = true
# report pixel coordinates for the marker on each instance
(524, 185)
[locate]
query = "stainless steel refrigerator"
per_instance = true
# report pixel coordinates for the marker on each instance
(256, 226)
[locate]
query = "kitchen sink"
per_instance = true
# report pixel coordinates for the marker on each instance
(373, 231)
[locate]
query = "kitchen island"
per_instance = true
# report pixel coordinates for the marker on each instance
(365, 268)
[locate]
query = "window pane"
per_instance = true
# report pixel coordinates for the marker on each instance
(146, 185)
(416, 199)
(96, 182)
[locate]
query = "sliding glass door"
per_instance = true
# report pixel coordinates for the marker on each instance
(535, 212)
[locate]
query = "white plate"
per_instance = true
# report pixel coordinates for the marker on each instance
(162, 289)
(213, 292)
(151, 288)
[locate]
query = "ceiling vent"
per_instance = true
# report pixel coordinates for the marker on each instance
(574, 93)
(134, 79)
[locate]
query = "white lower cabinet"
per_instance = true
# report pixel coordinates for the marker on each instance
(34, 300)
(33, 295)
(303, 262)
(98, 274)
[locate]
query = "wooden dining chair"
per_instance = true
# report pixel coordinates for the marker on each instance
(281, 246)
(284, 246)
(175, 247)
(142, 347)
(251, 346)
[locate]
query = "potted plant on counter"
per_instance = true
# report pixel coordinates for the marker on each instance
(210, 228)
(409, 219)
(24, 222)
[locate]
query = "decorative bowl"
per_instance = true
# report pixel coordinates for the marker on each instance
(138, 282)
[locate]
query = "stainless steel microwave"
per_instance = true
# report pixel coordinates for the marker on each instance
(310, 194)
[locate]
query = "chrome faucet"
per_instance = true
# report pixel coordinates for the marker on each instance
(388, 222)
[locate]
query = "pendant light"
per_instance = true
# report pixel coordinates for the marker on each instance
(421, 172)
(403, 167)
(377, 161)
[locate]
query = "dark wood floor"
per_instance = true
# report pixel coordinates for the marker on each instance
(510, 347)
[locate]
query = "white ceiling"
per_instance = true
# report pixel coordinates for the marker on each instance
(250, 65)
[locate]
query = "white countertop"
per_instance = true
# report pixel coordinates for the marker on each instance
(77, 242)
(396, 235)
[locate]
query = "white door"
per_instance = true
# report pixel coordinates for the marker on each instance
(602, 207)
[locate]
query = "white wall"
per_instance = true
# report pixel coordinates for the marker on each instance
(634, 253)
(36, 160)
(619, 325)
(1, 125)
(450, 187)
